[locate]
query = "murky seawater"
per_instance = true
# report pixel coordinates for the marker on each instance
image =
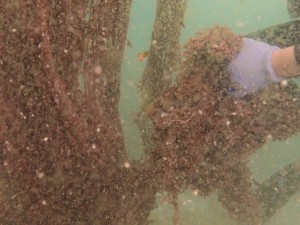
(62, 155)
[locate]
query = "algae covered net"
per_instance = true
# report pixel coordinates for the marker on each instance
(63, 158)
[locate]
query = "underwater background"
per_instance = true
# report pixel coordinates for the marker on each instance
(243, 17)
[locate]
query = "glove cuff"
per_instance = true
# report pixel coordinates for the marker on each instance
(271, 75)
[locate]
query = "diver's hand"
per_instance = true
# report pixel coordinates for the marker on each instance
(252, 69)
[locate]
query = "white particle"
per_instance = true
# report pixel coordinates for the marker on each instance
(127, 165)
(66, 51)
(14, 30)
(196, 192)
(227, 122)
(240, 24)
(200, 112)
(44, 202)
(283, 83)
(40, 174)
(5, 163)
(162, 115)
(94, 146)
(269, 137)
(46, 139)
(56, 99)
(98, 129)
(98, 70)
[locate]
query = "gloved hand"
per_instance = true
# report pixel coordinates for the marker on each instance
(251, 70)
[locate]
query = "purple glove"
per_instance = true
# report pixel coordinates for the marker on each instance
(251, 70)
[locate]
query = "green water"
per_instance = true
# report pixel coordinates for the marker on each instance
(243, 16)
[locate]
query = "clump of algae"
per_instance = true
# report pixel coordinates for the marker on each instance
(204, 136)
